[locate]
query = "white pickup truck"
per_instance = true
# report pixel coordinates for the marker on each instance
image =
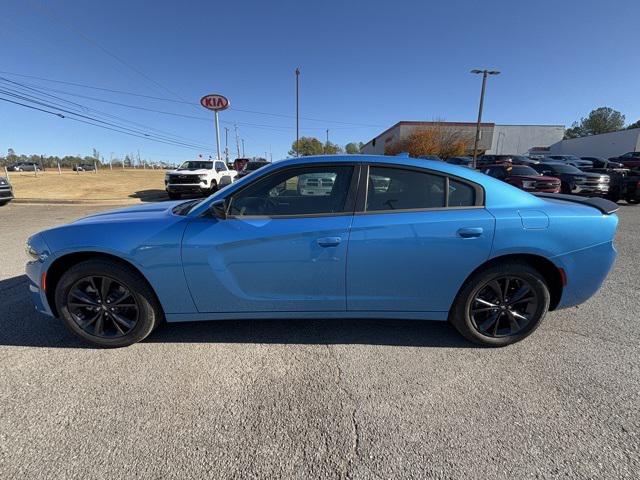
(198, 176)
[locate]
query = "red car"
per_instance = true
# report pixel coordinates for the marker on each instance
(629, 160)
(524, 177)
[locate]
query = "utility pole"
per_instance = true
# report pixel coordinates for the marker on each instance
(237, 139)
(243, 148)
(297, 111)
(327, 147)
(484, 73)
(226, 144)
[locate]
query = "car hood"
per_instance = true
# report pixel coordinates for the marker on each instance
(148, 211)
(200, 171)
(537, 178)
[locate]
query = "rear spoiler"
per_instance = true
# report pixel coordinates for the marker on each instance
(605, 206)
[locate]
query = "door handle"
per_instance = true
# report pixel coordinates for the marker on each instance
(470, 232)
(329, 241)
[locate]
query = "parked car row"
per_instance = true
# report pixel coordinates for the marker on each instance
(568, 174)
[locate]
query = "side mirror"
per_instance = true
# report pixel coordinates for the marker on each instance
(219, 209)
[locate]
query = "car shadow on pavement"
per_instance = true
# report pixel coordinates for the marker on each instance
(152, 195)
(21, 325)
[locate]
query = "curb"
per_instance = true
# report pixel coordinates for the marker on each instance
(113, 201)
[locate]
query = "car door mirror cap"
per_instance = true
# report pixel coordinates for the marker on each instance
(219, 208)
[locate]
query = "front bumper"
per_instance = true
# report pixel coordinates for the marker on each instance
(6, 193)
(600, 189)
(186, 188)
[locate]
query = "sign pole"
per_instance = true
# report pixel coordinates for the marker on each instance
(217, 134)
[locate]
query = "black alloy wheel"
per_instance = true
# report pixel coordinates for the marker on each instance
(501, 304)
(107, 303)
(103, 307)
(504, 306)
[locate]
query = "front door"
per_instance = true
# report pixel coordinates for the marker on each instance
(283, 247)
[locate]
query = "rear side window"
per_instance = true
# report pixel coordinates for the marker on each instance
(397, 189)
(461, 194)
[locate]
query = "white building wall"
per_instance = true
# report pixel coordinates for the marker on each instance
(519, 139)
(604, 145)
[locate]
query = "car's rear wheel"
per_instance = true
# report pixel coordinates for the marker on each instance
(501, 305)
(107, 303)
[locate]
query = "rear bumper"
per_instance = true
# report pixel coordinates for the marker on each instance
(586, 270)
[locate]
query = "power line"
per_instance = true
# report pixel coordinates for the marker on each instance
(256, 112)
(87, 109)
(92, 121)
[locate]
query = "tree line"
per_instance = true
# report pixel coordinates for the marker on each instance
(68, 161)
(312, 146)
(600, 120)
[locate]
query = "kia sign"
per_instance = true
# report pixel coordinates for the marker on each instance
(214, 102)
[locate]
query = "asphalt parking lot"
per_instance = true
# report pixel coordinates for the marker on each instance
(320, 399)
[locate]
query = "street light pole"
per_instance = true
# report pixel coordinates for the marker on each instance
(297, 112)
(484, 73)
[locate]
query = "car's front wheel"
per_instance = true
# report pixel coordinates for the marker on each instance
(501, 305)
(107, 303)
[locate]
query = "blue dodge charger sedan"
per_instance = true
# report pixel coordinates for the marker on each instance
(330, 237)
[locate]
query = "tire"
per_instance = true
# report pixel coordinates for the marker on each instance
(174, 195)
(4, 202)
(565, 188)
(138, 314)
(213, 189)
(467, 316)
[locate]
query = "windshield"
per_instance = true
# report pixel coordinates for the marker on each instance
(523, 170)
(254, 166)
(196, 165)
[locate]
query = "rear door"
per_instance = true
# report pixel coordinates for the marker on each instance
(418, 236)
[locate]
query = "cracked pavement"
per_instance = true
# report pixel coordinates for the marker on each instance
(320, 399)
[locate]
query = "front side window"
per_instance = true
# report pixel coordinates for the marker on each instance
(398, 189)
(295, 191)
(220, 167)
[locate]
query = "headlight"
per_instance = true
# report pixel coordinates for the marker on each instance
(31, 252)
(528, 184)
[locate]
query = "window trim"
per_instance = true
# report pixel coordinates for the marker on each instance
(349, 203)
(363, 190)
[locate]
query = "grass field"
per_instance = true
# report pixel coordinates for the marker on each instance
(106, 185)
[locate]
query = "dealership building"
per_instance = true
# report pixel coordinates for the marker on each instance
(494, 139)
(605, 145)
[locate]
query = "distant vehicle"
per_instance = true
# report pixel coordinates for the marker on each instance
(629, 160)
(513, 159)
(462, 161)
(484, 161)
(84, 167)
(314, 184)
(251, 167)
(569, 160)
(430, 157)
(524, 177)
(599, 162)
(575, 181)
(24, 167)
(6, 191)
(198, 176)
(239, 163)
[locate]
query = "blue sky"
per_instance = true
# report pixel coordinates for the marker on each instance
(365, 65)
